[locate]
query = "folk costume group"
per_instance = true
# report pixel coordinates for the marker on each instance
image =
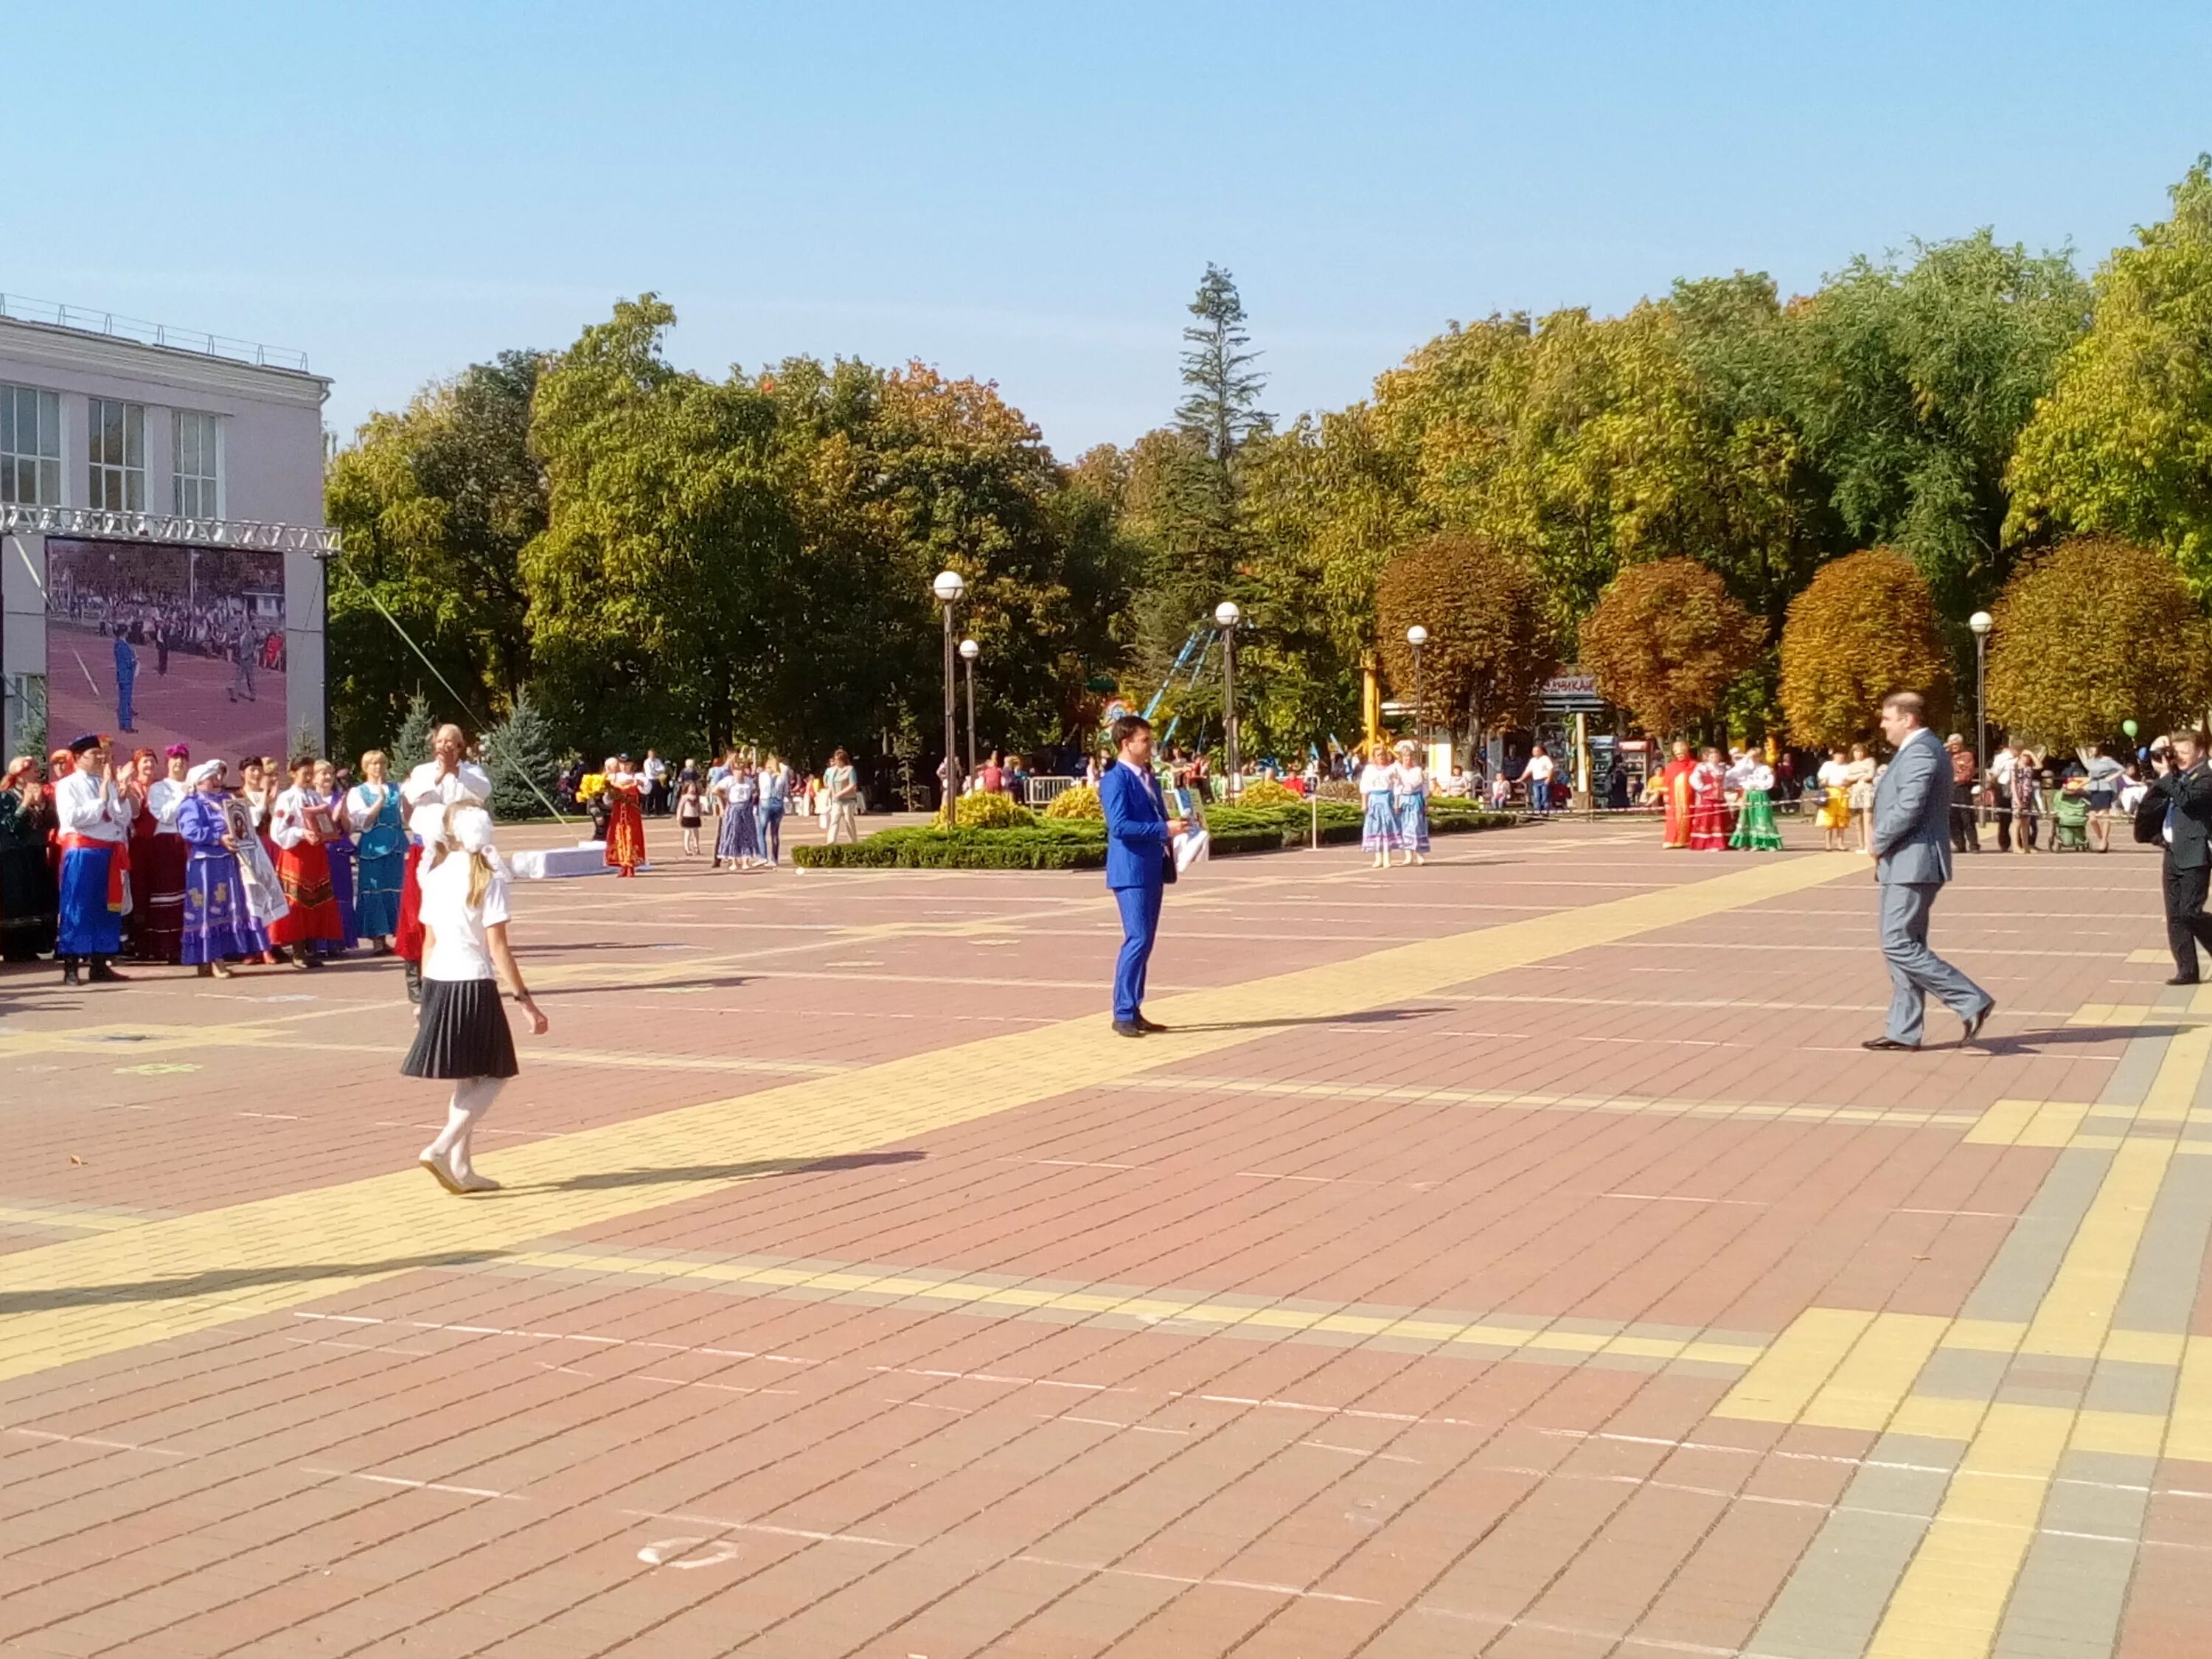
(111, 862)
(1393, 788)
(1714, 802)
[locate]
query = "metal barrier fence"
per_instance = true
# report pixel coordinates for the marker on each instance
(1040, 792)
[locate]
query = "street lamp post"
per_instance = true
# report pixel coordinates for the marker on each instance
(1416, 637)
(1226, 615)
(969, 652)
(1981, 621)
(948, 587)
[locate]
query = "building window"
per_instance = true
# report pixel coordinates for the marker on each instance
(117, 447)
(199, 465)
(30, 446)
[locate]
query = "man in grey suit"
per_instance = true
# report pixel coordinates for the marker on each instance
(1911, 845)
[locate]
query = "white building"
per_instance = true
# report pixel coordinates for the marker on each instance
(119, 432)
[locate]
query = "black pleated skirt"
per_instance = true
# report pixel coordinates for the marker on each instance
(461, 1032)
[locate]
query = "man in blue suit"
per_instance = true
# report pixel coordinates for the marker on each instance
(1911, 845)
(1139, 863)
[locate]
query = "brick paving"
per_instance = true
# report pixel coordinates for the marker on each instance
(1515, 1256)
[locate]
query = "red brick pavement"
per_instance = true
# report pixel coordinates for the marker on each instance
(585, 1447)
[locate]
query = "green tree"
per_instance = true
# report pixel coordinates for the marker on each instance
(1665, 641)
(1491, 646)
(1864, 628)
(1222, 409)
(2122, 446)
(653, 588)
(1910, 385)
(410, 743)
(2093, 633)
(523, 757)
(437, 504)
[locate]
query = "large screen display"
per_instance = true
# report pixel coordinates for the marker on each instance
(154, 643)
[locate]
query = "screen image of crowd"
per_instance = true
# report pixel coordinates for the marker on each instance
(158, 644)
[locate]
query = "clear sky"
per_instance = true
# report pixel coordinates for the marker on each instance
(1029, 192)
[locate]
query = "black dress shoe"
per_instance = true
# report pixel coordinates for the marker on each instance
(1974, 1025)
(2183, 979)
(70, 974)
(1882, 1044)
(1128, 1027)
(103, 973)
(1145, 1024)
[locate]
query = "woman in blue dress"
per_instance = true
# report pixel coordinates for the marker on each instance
(738, 845)
(1378, 832)
(379, 853)
(1409, 789)
(218, 927)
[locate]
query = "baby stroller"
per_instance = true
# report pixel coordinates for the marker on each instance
(2070, 818)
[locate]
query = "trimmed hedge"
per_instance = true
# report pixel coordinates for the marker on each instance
(1081, 844)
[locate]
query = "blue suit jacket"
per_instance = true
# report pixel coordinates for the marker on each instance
(1912, 831)
(1136, 829)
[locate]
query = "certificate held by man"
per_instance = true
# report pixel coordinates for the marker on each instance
(1141, 861)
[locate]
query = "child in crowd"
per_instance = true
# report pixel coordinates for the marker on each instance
(687, 816)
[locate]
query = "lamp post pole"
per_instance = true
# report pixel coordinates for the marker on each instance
(948, 587)
(1226, 615)
(1416, 637)
(1981, 621)
(969, 652)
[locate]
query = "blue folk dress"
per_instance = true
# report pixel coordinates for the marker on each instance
(740, 836)
(1378, 833)
(218, 926)
(1410, 793)
(380, 859)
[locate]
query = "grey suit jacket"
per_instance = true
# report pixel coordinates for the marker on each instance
(1912, 831)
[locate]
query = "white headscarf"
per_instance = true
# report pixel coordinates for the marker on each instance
(427, 824)
(200, 773)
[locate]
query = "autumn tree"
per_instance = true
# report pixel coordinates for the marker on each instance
(1491, 646)
(1865, 627)
(2119, 447)
(2096, 632)
(1665, 640)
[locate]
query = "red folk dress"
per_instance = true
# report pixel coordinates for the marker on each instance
(1709, 817)
(303, 870)
(625, 825)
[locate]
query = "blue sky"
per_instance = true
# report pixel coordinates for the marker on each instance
(1029, 193)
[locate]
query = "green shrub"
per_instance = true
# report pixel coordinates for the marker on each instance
(1047, 843)
(1338, 789)
(1080, 802)
(1266, 792)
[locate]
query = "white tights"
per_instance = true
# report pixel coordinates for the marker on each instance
(471, 1094)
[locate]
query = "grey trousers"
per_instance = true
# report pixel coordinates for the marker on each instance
(1914, 969)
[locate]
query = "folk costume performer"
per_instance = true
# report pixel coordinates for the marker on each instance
(94, 829)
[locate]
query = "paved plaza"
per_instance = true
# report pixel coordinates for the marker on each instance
(1516, 1256)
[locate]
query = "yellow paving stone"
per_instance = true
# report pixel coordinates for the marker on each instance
(123, 1290)
(1954, 1593)
(1796, 1365)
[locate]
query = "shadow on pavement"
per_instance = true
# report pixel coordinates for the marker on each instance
(1366, 1016)
(235, 1279)
(2032, 1042)
(764, 1166)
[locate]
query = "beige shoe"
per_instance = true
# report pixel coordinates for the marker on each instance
(441, 1169)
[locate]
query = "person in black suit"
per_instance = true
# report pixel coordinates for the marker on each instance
(2177, 810)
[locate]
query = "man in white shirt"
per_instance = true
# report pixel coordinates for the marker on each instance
(1537, 774)
(656, 784)
(445, 778)
(94, 829)
(2003, 764)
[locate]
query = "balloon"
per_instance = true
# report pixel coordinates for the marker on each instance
(2128, 726)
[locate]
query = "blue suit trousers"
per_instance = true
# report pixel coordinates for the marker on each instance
(1915, 971)
(1140, 925)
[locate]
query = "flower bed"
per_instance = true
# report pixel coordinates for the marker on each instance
(1050, 843)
